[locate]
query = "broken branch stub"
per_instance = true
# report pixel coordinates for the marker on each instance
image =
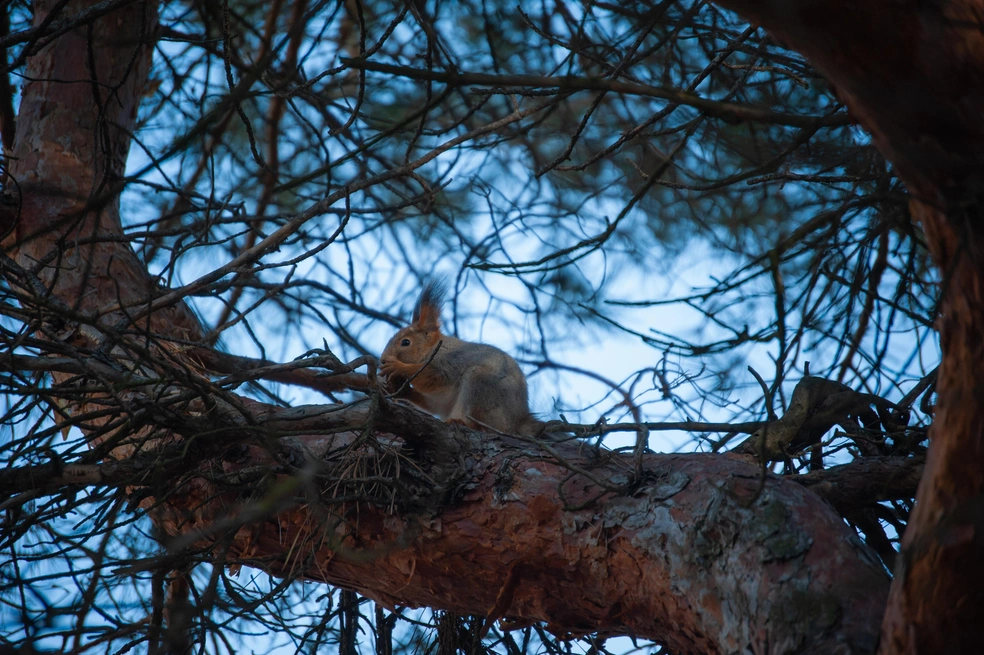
(817, 405)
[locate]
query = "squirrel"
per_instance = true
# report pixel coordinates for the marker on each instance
(473, 384)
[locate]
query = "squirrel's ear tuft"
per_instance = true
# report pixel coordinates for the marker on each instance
(427, 312)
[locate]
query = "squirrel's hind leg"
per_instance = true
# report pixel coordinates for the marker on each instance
(484, 402)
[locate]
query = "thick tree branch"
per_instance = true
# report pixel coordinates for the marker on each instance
(693, 556)
(847, 487)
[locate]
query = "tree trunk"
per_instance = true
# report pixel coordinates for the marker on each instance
(913, 75)
(77, 113)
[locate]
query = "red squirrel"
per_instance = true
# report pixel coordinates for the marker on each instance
(473, 384)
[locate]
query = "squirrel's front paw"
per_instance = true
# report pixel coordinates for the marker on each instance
(390, 376)
(388, 368)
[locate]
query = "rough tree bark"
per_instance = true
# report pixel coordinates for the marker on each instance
(76, 115)
(913, 75)
(700, 554)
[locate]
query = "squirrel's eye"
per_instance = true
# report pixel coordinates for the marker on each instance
(405, 342)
